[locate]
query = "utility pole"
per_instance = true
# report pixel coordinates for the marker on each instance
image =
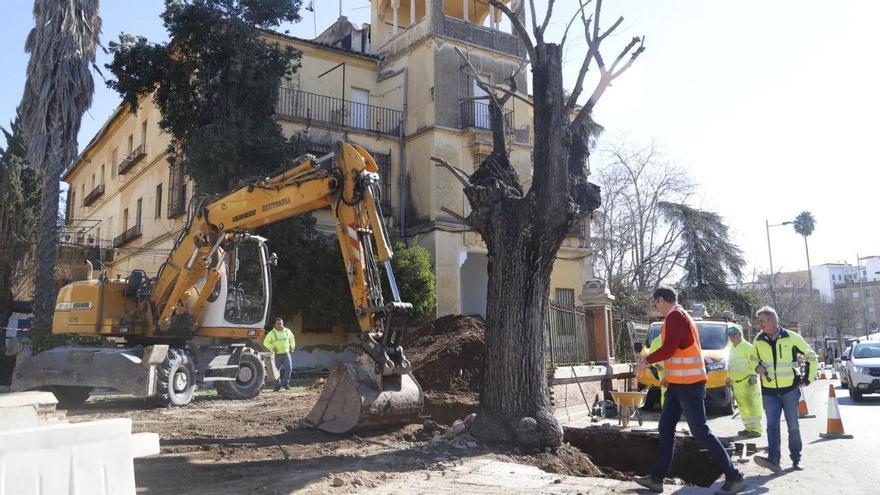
(772, 273)
(862, 294)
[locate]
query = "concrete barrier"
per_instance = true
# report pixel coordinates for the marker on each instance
(41, 453)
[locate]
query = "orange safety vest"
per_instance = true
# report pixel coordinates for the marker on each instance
(686, 365)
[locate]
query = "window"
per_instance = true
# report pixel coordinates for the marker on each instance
(144, 134)
(130, 143)
(98, 236)
(114, 159)
(110, 228)
(158, 213)
(71, 205)
(360, 108)
(93, 182)
(82, 192)
(125, 219)
(855, 295)
(102, 174)
(139, 210)
(565, 296)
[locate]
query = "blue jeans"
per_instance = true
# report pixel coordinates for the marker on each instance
(688, 399)
(284, 363)
(787, 404)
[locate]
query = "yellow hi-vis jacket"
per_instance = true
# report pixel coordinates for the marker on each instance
(743, 361)
(279, 341)
(780, 358)
(656, 344)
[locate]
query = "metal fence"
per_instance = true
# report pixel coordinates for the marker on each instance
(310, 107)
(476, 114)
(565, 335)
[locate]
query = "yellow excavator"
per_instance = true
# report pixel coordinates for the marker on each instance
(191, 324)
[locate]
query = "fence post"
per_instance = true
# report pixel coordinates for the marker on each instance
(597, 301)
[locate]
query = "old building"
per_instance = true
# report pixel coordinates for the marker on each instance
(393, 86)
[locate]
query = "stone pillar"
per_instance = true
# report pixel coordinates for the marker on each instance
(597, 300)
(412, 13)
(464, 6)
(395, 6)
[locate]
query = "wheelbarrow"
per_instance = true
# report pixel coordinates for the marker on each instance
(629, 404)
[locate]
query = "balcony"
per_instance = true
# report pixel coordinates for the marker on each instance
(96, 193)
(310, 108)
(476, 114)
(127, 236)
(135, 156)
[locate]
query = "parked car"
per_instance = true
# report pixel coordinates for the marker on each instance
(840, 364)
(862, 369)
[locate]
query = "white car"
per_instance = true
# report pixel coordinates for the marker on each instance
(862, 369)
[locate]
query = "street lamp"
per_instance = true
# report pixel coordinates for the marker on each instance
(770, 254)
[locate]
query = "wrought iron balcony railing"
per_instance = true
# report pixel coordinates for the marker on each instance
(476, 114)
(127, 236)
(136, 155)
(96, 193)
(309, 107)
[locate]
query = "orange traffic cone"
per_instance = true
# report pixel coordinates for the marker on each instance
(833, 374)
(834, 427)
(803, 410)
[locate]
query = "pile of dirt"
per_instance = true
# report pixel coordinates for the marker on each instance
(447, 357)
(447, 354)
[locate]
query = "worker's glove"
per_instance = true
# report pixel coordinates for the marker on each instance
(753, 380)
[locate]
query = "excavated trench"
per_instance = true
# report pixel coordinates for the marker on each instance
(623, 454)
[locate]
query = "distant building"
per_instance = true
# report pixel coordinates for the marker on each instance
(829, 275)
(865, 300)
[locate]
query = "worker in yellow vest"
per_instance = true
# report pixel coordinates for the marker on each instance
(280, 342)
(744, 380)
(658, 367)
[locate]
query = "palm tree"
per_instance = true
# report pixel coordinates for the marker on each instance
(804, 225)
(57, 91)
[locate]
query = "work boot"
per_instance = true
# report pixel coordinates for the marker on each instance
(286, 387)
(276, 388)
(796, 465)
(765, 463)
(732, 486)
(753, 434)
(649, 483)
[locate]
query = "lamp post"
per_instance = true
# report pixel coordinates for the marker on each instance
(770, 255)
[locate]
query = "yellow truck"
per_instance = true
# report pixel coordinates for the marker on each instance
(713, 339)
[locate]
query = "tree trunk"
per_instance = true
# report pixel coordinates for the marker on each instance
(514, 405)
(47, 243)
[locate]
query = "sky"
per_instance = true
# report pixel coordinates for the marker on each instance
(771, 106)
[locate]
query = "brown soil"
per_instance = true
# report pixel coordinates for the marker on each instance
(566, 460)
(447, 356)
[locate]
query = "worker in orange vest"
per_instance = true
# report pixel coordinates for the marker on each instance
(685, 392)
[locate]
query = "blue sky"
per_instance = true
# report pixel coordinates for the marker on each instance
(772, 106)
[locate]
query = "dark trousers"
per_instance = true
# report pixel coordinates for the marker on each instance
(688, 400)
(774, 406)
(284, 363)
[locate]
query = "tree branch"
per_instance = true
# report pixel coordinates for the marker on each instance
(455, 171)
(546, 22)
(578, 13)
(521, 30)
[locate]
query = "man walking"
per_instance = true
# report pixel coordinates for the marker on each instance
(778, 351)
(744, 380)
(280, 342)
(685, 393)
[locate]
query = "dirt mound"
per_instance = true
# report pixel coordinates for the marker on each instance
(447, 354)
(567, 460)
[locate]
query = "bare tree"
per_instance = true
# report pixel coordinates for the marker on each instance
(58, 89)
(635, 243)
(523, 229)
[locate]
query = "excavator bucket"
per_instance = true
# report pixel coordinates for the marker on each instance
(356, 397)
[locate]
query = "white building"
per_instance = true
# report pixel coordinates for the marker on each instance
(826, 276)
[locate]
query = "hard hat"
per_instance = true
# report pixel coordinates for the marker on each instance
(731, 330)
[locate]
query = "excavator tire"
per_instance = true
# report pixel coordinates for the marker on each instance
(356, 397)
(70, 397)
(247, 385)
(176, 382)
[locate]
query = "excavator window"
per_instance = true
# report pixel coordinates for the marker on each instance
(246, 295)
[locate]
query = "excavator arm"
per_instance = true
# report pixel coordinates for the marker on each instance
(375, 390)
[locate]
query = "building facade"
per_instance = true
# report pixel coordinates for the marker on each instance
(396, 88)
(829, 275)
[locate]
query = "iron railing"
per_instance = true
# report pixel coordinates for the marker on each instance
(127, 236)
(96, 193)
(565, 335)
(310, 107)
(476, 114)
(134, 157)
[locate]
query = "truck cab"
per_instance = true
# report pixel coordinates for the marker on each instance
(716, 349)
